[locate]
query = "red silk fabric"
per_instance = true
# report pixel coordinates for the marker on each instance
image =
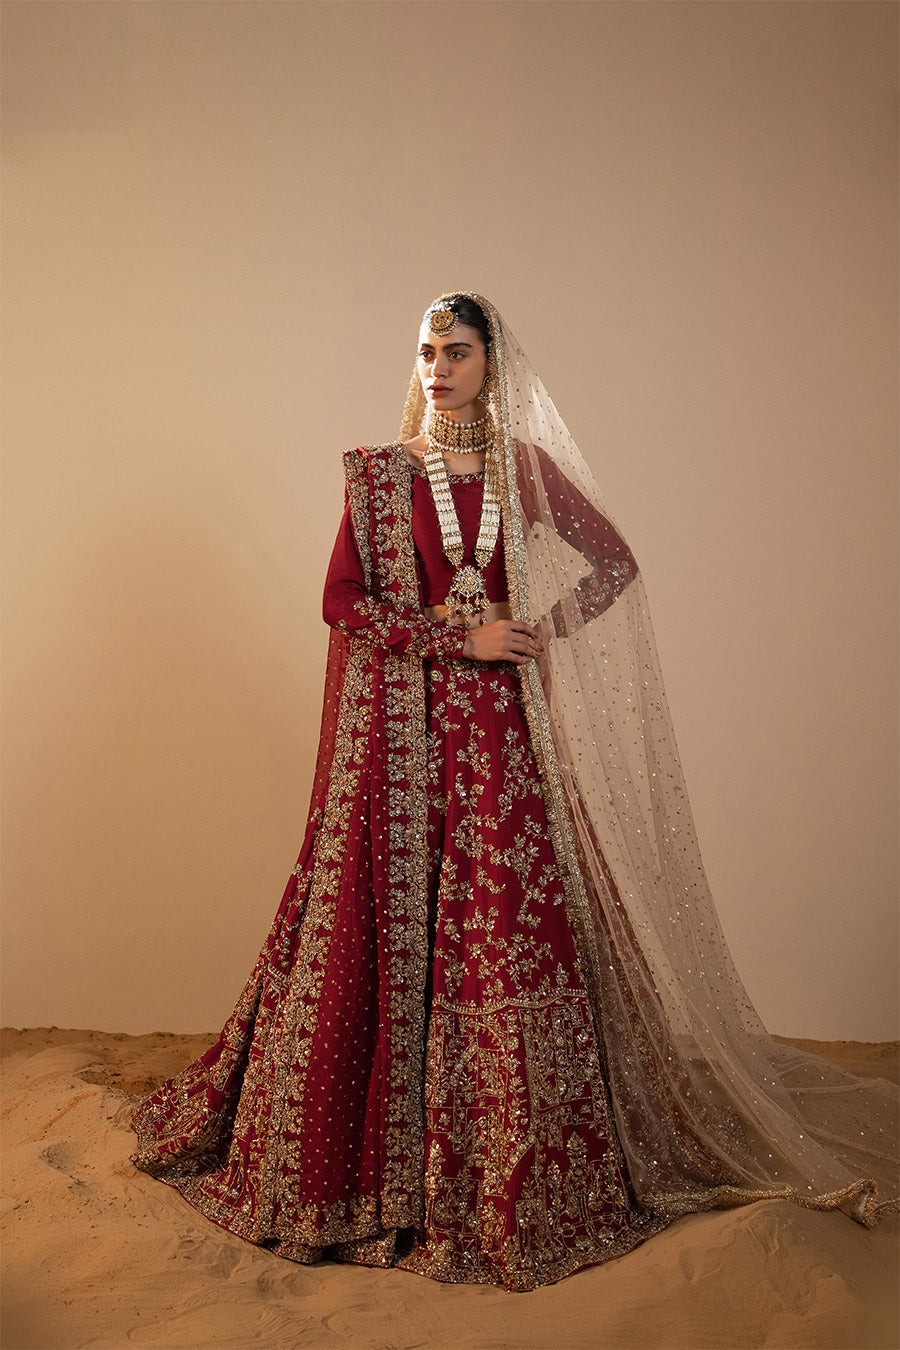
(403, 1086)
(585, 529)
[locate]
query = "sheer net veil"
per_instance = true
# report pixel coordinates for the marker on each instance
(710, 1111)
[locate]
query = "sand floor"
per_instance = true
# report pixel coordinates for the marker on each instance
(98, 1254)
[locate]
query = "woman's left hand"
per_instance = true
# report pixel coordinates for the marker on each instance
(503, 640)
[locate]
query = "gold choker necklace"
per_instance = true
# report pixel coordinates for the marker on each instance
(459, 438)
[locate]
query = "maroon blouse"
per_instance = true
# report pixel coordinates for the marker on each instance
(348, 606)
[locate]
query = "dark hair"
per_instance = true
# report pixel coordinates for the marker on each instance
(468, 312)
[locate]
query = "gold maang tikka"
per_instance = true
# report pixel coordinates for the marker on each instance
(440, 321)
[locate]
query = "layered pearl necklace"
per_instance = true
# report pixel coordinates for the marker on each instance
(468, 591)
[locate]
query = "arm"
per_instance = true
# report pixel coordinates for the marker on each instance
(613, 564)
(348, 606)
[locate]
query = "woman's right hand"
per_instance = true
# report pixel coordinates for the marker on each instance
(503, 640)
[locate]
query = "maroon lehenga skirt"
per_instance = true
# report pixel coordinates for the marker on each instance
(524, 1179)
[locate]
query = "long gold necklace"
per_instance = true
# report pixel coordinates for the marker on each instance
(468, 590)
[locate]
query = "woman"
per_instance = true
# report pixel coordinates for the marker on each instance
(495, 1034)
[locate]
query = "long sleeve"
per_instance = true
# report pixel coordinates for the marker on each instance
(613, 565)
(348, 606)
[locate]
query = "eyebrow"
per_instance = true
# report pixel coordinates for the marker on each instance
(449, 345)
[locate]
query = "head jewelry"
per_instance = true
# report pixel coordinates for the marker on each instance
(440, 321)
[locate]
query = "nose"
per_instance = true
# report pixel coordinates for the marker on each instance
(440, 367)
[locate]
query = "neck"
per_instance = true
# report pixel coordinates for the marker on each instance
(457, 437)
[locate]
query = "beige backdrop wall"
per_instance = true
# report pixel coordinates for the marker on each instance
(222, 224)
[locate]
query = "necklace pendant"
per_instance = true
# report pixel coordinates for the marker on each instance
(467, 593)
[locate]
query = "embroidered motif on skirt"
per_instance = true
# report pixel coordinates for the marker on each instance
(524, 1181)
(524, 1178)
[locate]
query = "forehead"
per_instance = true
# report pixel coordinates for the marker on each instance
(459, 333)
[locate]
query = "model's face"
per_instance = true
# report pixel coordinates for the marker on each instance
(452, 367)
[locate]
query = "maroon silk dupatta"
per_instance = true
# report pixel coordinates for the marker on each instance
(365, 836)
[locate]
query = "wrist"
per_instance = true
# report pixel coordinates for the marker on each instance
(448, 640)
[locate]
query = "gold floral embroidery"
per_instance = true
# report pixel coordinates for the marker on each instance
(357, 491)
(512, 1080)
